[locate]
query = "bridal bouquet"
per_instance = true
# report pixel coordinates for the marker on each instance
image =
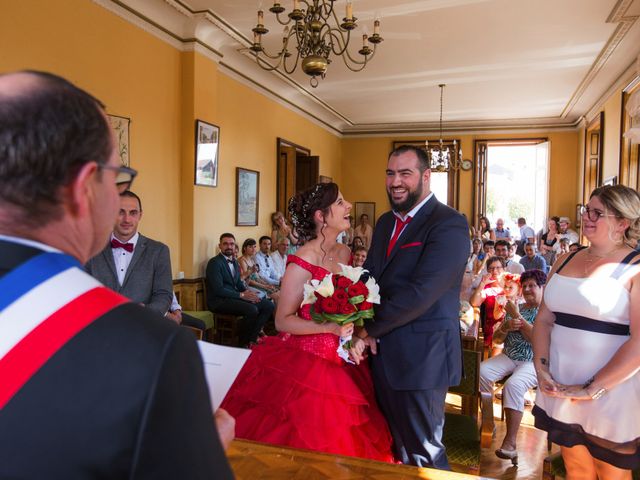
(342, 298)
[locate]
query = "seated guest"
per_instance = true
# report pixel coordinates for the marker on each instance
(513, 256)
(484, 231)
(501, 232)
(533, 261)
(486, 292)
(563, 246)
(250, 270)
(476, 248)
(227, 294)
(279, 257)
(488, 251)
(175, 314)
(359, 257)
(357, 242)
(516, 359)
(364, 230)
(502, 250)
(133, 265)
(265, 264)
(281, 229)
(574, 247)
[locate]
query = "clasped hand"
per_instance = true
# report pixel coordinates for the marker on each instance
(550, 387)
(357, 352)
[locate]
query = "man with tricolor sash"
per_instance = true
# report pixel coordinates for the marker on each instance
(91, 384)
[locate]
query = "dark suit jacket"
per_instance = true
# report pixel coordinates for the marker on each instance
(148, 278)
(220, 284)
(417, 320)
(125, 398)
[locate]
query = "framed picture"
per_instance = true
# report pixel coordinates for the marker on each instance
(207, 146)
(366, 208)
(247, 197)
(610, 180)
(121, 126)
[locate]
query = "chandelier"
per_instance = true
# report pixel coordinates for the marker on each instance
(441, 158)
(315, 39)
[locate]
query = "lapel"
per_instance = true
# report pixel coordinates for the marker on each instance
(107, 255)
(414, 226)
(138, 252)
(225, 267)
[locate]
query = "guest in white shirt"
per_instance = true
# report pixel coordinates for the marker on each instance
(279, 257)
(267, 272)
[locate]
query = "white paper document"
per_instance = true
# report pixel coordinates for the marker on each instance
(221, 367)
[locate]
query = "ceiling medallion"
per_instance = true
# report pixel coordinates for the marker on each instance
(441, 158)
(317, 33)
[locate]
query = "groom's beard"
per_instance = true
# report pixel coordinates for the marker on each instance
(409, 203)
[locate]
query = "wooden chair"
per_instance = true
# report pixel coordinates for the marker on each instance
(553, 468)
(462, 437)
(196, 331)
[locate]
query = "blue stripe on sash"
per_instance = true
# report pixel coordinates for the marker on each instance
(590, 325)
(31, 273)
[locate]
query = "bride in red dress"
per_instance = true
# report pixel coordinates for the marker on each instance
(294, 390)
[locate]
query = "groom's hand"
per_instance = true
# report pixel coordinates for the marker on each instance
(356, 352)
(372, 343)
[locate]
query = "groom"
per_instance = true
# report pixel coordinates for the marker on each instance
(418, 255)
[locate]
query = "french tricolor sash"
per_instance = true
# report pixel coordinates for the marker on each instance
(44, 303)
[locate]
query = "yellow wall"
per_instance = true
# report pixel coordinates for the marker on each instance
(365, 159)
(163, 91)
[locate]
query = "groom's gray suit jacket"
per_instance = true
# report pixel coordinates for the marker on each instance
(148, 278)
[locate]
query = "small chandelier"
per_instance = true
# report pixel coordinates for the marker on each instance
(441, 159)
(315, 39)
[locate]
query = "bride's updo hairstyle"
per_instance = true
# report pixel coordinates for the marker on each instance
(623, 202)
(304, 204)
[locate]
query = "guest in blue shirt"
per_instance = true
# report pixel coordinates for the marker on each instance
(533, 261)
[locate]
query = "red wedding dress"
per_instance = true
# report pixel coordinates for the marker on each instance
(295, 391)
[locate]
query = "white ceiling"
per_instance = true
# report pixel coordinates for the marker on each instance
(506, 63)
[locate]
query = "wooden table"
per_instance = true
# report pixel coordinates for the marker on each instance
(259, 461)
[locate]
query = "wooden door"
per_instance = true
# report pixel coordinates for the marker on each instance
(629, 174)
(480, 183)
(594, 140)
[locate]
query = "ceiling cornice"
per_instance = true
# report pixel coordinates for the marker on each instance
(286, 91)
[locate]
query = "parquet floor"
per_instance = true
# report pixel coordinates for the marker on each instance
(532, 448)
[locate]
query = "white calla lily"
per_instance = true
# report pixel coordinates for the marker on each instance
(325, 288)
(352, 273)
(374, 291)
(309, 292)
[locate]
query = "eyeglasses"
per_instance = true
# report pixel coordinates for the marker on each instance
(124, 176)
(492, 269)
(593, 214)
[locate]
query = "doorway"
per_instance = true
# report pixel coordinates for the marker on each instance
(297, 171)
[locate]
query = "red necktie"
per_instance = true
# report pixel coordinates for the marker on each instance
(399, 227)
(116, 244)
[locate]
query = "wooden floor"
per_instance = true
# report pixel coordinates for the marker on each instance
(532, 448)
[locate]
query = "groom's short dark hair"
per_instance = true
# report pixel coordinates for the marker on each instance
(421, 154)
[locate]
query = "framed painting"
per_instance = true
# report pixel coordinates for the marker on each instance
(613, 180)
(207, 146)
(247, 197)
(121, 126)
(366, 208)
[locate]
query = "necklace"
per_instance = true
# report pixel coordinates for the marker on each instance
(592, 258)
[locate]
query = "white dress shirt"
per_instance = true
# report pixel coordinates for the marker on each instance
(122, 258)
(279, 263)
(267, 273)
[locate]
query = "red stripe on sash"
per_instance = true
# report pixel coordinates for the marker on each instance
(38, 346)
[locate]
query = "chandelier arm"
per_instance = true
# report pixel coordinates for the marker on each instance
(262, 63)
(295, 64)
(271, 56)
(338, 35)
(327, 8)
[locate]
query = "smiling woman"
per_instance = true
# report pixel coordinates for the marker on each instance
(587, 345)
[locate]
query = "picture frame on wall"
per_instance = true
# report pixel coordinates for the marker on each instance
(368, 208)
(121, 127)
(247, 197)
(207, 148)
(613, 180)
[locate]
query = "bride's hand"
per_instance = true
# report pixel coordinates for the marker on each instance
(356, 352)
(344, 330)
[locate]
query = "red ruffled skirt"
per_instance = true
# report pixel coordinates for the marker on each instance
(287, 395)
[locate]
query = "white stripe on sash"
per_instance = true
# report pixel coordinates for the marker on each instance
(30, 310)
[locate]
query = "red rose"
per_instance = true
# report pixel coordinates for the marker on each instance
(334, 280)
(365, 306)
(317, 307)
(358, 288)
(340, 296)
(348, 309)
(344, 282)
(329, 305)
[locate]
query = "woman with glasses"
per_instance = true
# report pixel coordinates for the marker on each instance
(486, 292)
(586, 342)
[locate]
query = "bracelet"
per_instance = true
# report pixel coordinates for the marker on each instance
(598, 393)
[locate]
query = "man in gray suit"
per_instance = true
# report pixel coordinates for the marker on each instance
(133, 265)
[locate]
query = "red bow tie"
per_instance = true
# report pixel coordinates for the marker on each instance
(127, 246)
